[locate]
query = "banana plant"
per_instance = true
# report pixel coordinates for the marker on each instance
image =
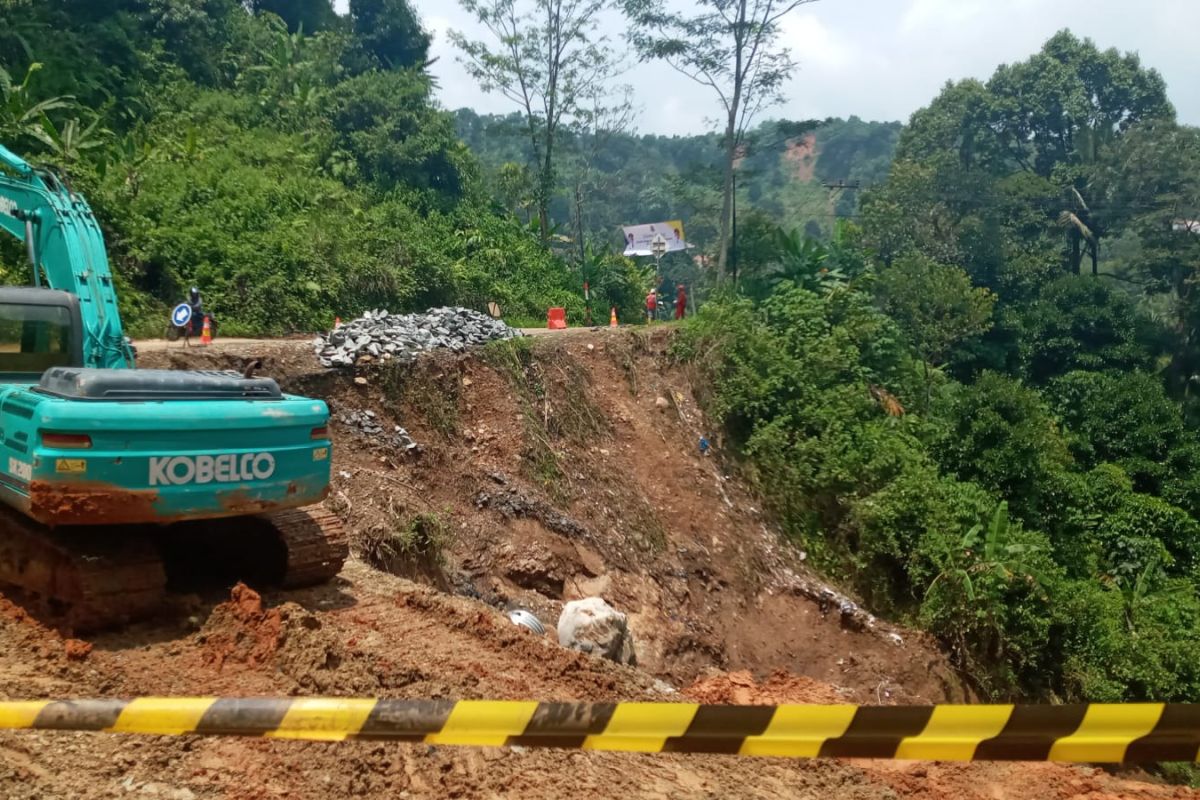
(806, 262)
(21, 115)
(986, 551)
(292, 75)
(73, 140)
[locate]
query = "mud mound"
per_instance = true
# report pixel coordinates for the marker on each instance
(740, 689)
(295, 642)
(241, 631)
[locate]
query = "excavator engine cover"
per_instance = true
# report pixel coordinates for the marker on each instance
(78, 383)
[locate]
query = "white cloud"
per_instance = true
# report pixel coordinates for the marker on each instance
(812, 43)
(924, 14)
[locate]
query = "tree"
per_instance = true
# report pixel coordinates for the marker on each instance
(1059, 116)
(1154, 177)
(935, 304)
(384, 123)
(1078, 323)
(387, 35)
(597, 125)
(307, 15)
(1126, 418)
(730, 46)
(295, 71)
(515, 190)
(548, 60)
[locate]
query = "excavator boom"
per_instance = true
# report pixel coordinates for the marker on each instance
(64, 243)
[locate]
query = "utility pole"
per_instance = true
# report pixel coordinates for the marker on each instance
(659, 247)
(839, 186)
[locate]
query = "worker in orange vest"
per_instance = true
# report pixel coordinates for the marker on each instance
(680, 302)
(651, 305)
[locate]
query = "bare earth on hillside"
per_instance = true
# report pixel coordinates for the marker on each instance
(588, 485)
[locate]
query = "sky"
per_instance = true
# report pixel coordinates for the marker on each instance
(877, 59)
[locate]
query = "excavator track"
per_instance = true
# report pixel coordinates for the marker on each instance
(288, 549)
(81, 579)
(315, 543)
(85, 579)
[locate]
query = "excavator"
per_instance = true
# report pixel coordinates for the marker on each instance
(115, 479)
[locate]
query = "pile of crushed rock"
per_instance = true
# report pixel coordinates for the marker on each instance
(383, 336)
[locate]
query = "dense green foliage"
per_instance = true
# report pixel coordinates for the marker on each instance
(294, 169)
(987, 425)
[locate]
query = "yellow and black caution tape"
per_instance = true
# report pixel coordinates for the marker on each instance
(1083, 733)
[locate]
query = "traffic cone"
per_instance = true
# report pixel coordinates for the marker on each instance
(206, 331)
(612, 318)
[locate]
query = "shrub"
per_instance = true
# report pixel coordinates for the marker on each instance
(1079, 323)
(1000, 434)
(1128, 419)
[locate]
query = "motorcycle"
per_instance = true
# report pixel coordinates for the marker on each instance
(176, 332)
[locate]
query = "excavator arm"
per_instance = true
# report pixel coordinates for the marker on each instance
(64, 243)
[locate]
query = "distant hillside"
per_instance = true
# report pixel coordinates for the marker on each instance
(645, 178)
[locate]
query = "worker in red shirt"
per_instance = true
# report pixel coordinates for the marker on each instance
(680, 301)
(651, 305)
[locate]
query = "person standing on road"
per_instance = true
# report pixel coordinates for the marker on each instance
(197, 304)
(651, 305)
(680, 302)
(196, 324)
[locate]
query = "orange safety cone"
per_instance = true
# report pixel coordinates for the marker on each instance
(612, 318)
(206, 331)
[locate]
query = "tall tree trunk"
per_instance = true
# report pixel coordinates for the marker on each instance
(928, 383)
(727, 195)
(543, 202)
(546, 184)
(579, 222)
(539, 195)
(1094, 250)
(733, 107)
(1076, 256)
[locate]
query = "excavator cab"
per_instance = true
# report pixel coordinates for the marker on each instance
(39, 329)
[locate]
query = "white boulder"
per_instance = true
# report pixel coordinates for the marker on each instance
(593, 626)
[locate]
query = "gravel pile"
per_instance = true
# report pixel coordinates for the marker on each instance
(379, 335)
(367, 424)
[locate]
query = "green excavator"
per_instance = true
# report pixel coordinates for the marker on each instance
(114, 479)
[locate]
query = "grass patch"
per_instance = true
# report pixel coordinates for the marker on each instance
(411, 541)
(625, 350)
(554, 393)
(518, 321)
(430, 389)
(1178, 773)
(648, 531)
